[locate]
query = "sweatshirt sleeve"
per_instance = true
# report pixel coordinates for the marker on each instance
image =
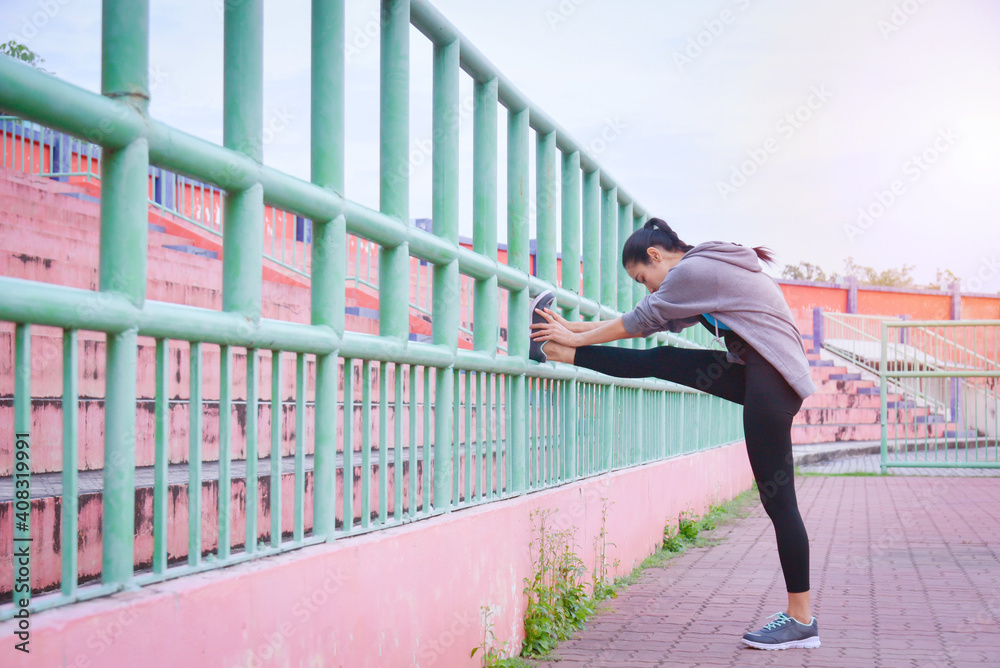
(681, 298)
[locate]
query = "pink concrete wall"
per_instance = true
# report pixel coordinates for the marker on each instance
(406, 596)
(918, 305)
(981, 308)
(802, 299)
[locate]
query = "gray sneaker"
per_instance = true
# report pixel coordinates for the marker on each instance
(542, 301)
(783, 633)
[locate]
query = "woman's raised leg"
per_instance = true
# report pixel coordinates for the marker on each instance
(707, 370)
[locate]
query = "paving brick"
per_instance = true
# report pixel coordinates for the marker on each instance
(885, 593)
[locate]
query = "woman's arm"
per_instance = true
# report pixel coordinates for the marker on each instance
(576, 325)
(604, 332)
(609, 330)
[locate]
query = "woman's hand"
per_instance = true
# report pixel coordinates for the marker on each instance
(554, 329)
(575, 326)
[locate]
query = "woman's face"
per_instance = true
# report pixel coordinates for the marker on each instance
(653, 272)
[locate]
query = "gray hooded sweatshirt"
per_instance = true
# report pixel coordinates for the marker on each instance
(725, 280)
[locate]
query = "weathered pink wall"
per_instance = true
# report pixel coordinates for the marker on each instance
(406, 596)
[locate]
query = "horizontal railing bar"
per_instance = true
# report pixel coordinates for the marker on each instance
(76, 308)
(27, 92)
(50, 600)
(212, 562)
(191, 323)
(431, 22)
(26, 301)
(944, 465)
(975, 373)
(944, 324)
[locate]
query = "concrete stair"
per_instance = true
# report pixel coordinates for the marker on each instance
(843, 417)
(50, 232)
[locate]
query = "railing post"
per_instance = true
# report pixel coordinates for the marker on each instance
(883, 398)
(637, 290)
(571, 281)
(624, 282)
(610, 428)
(818, 333)
(484, 210)
(329, 248)
(545, 269)
(956, 300)
(955, 313)
(484, 242)
(394, 141)
(852, 293)
(243, 124)
(242, 261)
(609, 248)
(124, 75)
(447, 280)
(393, 263)
(571, 228)
(545, 204)
(518, 302)
(592, 237)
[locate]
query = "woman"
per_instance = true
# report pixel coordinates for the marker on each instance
(721, 286)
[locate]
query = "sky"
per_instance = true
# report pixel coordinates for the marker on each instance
(823, 130)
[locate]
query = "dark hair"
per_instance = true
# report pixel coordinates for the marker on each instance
(656, 232)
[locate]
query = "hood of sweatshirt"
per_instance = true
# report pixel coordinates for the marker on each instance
(724, 251)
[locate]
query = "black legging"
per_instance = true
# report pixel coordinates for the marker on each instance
(769, 404)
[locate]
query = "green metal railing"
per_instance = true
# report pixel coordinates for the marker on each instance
(452, 427)
(949, 367)
(937, 383)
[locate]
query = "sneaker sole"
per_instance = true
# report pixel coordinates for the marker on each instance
(537, 300)
(545, 294)
(807, 643)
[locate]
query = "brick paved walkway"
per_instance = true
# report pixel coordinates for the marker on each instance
(905, 571)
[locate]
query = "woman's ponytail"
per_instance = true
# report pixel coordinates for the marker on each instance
(764, 253)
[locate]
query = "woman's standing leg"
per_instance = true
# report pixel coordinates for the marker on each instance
(769, 407)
